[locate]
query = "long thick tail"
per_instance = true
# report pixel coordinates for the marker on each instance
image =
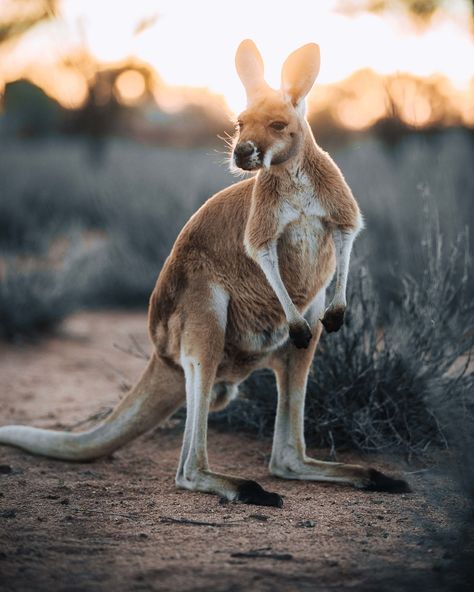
(159, 393)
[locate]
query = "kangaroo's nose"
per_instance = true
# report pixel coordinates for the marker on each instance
(244, 149)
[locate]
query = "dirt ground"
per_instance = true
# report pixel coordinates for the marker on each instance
(120, 523)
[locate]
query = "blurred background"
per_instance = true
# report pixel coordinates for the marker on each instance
(115, 119)
(114, 125)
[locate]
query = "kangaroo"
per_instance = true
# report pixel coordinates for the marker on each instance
(244, 288)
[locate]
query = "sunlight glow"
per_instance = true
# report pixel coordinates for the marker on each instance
(193, 44)
(466, 105)
(72, 88)
(360, 114)
(130, 87)
(413, 108)
(65, 84)
(187, 49)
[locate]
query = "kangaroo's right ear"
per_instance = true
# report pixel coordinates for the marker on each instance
(249, 64)
(300, 71)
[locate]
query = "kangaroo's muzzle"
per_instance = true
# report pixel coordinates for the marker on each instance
(247, 156)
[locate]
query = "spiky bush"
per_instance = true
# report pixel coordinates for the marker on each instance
(129, 210)
(35, 296)
(375, 387)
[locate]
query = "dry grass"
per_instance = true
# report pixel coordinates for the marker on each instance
(392, 379)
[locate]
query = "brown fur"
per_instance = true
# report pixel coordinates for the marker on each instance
(243, 285)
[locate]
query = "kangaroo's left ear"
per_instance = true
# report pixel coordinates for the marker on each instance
(299, 72)
(249, 64)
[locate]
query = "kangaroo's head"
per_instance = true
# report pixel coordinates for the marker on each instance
(271, 129)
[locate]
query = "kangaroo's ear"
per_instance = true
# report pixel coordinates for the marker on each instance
(249, 64)
(299, 72)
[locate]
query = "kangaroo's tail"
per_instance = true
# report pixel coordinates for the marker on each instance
(159, 393)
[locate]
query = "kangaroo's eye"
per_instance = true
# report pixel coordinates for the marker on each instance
(278, 125)
(240, 125)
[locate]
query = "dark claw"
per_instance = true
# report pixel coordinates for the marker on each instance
(250, 492)
(300, 335)
(333, 319)
(380, 482)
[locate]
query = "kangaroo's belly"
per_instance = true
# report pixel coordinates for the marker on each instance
(306, 259)
(256, 322)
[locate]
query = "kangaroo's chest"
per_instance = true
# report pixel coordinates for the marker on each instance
(301, 222)
(305, 251)
(305, 259)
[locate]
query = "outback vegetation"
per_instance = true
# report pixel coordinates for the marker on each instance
(89, 208)
(96, 235)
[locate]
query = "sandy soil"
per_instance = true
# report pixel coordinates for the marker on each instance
(114, 524)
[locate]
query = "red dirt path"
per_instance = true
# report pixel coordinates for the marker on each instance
(103, 525)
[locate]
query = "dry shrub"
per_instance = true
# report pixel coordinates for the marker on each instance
(375, 387)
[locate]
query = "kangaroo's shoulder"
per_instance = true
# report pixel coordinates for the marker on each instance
(332, 190)
(225, 210)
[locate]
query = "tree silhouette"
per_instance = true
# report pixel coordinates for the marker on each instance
(421, 10)
(20, 16)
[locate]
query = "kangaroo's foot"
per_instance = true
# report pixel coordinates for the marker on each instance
(378, 481)
(229, 488)
(367, 479)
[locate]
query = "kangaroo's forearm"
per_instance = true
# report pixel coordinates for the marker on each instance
(343, 241)
(267, 259)
(343, 236)
(346, 221)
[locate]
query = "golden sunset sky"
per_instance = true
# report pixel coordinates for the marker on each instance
(193, 42)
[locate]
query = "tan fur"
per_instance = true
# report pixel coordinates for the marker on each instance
(248, 270)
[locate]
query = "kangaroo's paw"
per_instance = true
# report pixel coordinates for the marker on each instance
(333, 319)
(300, 334)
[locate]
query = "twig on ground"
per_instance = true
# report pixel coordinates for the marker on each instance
(169, 520)
(256, 554)
(94, 511)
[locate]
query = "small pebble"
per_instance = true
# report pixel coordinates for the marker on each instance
(8, 514)
(260, 517)
(306, 524)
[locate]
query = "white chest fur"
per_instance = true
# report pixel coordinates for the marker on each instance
(301, 210)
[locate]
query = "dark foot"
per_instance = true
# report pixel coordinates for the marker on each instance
(333, 319)
(380, 482)
(250, 492)
(300, 335)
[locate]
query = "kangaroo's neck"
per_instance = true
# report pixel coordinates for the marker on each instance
(297, 169)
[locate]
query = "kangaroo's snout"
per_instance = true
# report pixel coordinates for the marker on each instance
(247, 156)
(244, 149)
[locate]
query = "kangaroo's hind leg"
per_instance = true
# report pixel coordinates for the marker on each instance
(202, 347)
(289, 459)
